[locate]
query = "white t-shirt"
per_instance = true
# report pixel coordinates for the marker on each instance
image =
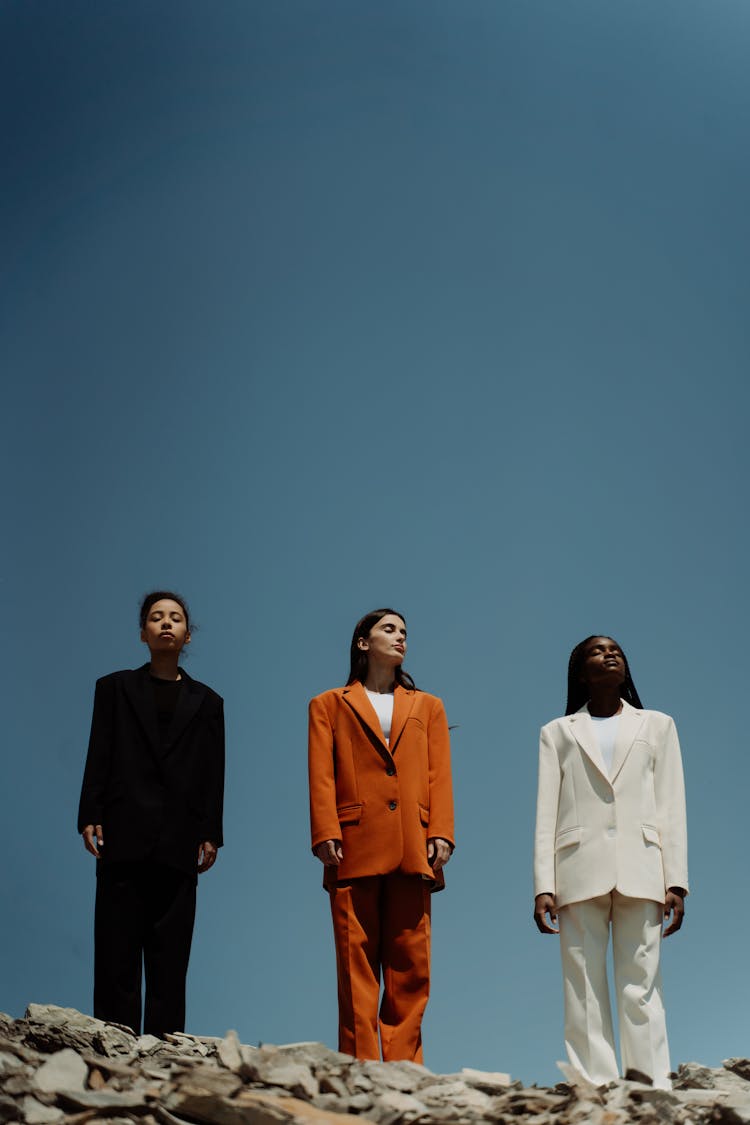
(606, 733)
(383, 704)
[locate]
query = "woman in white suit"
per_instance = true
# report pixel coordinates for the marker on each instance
(610, 851)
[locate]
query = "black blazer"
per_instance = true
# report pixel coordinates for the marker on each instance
(153, 799)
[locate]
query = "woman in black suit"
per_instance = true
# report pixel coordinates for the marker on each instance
(151, 813)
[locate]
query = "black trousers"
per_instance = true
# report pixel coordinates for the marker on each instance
(144, 920)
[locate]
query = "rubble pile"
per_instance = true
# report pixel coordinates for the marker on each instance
(59, 1066)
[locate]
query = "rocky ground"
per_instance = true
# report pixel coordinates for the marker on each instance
(59, 1066)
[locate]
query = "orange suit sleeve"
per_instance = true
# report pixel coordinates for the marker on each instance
(324, 821)
(441, 784)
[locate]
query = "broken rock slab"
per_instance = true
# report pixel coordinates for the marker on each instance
(271, 1067)
(65, 1070)
(740, 1067)
(48, 1028)
(489, 1082)
(229, 1051)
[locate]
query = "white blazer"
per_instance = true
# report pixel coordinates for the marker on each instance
(596, 833)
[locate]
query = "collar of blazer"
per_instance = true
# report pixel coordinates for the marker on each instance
(403, 701)
(140, 691)
(631, 720)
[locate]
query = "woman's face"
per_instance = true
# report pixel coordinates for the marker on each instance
(166, 627)
(603, 662)
(386, 642)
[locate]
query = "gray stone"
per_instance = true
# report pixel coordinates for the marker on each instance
(148, 1044)
(63, 1070)
(48, 1028)
(202, 1107)
(403, 1075)
(211, 1080)
(442, 1087)
(9, 1063)
(273, 1068)
(122, 1067)
(695, 1076)
(358, 1081)
(102, 1100)
(332, 1084)
(202, 1045)
(35, 1112)
(329, 1102)
(396, 1105)
(455, 1094)
(55, 1015)
(229, 1052)
(532, 1101)
(358, 1102)
(724, 1080)
(314, 1055)
(158, 1073)
(740, 1067)
(18, 1084)
(491, 1082)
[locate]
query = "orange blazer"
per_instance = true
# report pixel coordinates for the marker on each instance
(383, 802)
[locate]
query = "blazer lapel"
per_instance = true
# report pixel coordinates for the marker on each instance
(403, 701)
(585, 735)
(630, 723)
(190, 699)
(356, 696)
(140, 692)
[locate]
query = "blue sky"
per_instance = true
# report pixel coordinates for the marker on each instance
(307, 308)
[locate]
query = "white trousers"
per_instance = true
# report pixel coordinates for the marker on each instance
(636, 943)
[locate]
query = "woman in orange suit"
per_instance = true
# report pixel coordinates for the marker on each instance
(381, 809)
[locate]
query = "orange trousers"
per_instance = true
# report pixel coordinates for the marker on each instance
(382, 922)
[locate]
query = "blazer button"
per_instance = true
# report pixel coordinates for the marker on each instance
(390, 771)
(392, 805)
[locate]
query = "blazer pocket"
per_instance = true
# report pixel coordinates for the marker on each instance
(567, 837)
(424, 814)
(349, 814)
(651, 834)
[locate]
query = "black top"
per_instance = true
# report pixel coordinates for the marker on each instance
(166, 695)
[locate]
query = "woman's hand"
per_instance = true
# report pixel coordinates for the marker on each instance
(545, 905)
(674, 904)
(438, 852)
(207, 853)
(93, 838)
(330, 852)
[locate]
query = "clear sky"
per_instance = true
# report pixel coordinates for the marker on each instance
(308, 307)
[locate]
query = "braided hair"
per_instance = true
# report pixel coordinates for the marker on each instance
(358, 658)
(578, 692)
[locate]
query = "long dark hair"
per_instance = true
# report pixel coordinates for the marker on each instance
(358, 658)
(578, 692)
